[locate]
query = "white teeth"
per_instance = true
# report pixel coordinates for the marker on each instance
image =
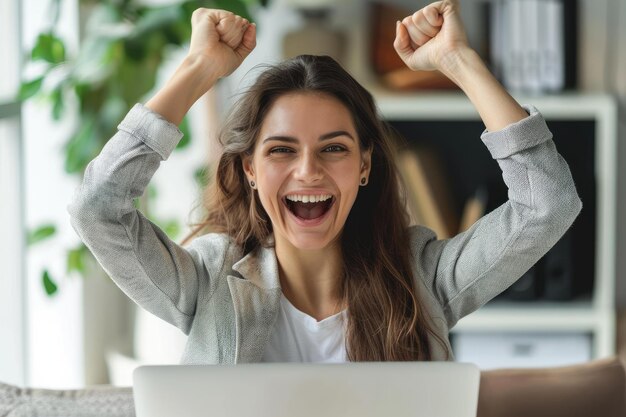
(309, 198)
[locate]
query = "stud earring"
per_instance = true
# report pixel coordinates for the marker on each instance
(363, 181)
(252, 184)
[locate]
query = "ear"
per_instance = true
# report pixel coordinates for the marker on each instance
(366, 164)
(248, 167)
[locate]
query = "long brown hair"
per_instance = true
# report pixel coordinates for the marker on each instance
(385, 319)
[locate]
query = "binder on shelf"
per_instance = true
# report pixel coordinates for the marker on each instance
(559, 279)
(533, 44)
(551, 278)
(546, 60)
(570, 42)
(474, 209)
(527, 288)
(514, 50)
(554, 59)
(428, 193)
(531, 80)
(429, 196)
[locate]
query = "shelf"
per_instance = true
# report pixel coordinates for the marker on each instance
(594, 315)
(442, 105)
(544, 317)
(536, 316)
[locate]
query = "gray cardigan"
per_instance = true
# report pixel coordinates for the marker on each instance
(227, 301)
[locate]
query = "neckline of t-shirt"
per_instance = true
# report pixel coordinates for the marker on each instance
(311, 321)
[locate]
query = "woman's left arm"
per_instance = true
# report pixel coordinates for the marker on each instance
(434, 38)
(465, 272)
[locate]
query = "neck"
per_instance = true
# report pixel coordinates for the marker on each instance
(310, 278)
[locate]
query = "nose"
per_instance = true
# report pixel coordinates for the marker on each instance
(308, 169)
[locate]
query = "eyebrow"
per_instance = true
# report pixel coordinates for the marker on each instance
(325, 136)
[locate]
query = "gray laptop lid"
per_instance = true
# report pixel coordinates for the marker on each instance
(391, 389)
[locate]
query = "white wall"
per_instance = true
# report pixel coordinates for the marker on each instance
(12, 312)
(12, 288)
(55, 324)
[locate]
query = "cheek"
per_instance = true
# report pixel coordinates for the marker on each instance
(350, 171)
(347, 176)
(270, 179)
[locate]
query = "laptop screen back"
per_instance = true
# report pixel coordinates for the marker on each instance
(391, 389)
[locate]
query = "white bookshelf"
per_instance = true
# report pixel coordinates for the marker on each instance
(594, 316)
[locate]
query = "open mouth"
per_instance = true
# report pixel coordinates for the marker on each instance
(309, 207)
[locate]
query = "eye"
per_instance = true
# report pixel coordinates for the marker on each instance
(280, 149)
(334, 148)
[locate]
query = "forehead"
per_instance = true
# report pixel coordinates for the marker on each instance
(306, 112)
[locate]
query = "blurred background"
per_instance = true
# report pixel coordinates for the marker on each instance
(72, 69)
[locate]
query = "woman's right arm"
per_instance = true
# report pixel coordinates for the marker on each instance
(220, 41)
(155, 272)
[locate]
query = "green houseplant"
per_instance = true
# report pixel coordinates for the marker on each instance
(124, 44)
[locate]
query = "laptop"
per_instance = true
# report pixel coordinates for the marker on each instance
(365, 389)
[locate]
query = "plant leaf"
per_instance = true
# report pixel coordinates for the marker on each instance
(250, 3)
(57, 103)
(151, 192)
(236, 6)
(157, 19)
(82, 147)
(172, 228)
(48, 48)
(41, 233)
(29, 88)
(112, 111)
(133, 78)
(48, 284)
(75, 261)
(186, 139)
(202, 176)
(90, 67)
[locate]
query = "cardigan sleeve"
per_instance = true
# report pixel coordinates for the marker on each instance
(155, 272)
(466, 271)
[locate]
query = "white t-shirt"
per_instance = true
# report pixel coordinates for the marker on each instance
(298, 337)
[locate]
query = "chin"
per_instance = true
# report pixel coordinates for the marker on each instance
(311, 243)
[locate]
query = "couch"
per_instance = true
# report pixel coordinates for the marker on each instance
(594, 389)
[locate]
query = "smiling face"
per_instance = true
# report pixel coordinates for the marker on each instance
(307, 166)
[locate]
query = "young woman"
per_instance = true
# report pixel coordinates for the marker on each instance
(309, 255)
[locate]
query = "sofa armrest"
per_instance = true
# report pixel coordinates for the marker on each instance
(97, 401)
(596, 388)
